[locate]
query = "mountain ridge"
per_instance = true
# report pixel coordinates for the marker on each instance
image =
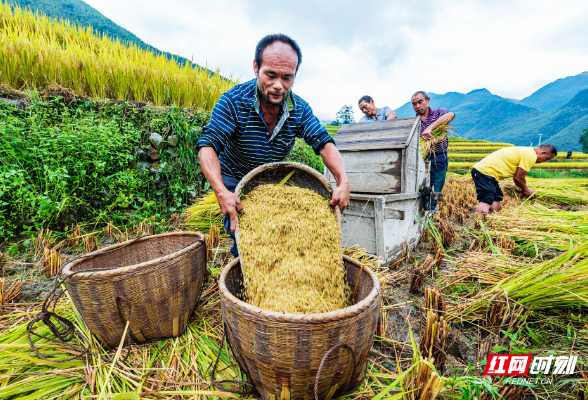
(483, 115)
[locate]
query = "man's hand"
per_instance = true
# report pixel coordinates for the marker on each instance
(341, 196)
(427, 134)
(229, 204)
(528, 192)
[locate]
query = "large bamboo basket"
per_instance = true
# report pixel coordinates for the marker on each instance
(282, 353)
(155, 281)
(273, 173)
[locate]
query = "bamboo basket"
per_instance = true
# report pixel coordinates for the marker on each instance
(282, 352)
(154, 281)
(274, 173)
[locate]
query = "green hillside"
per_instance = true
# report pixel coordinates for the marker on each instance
(558, 93)
(76, 11)
(562, 127)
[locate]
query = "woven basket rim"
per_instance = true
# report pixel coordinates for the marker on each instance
(343, 313)
(267, 166)
(67, 270)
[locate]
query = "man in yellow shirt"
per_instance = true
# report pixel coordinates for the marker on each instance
(505, 163)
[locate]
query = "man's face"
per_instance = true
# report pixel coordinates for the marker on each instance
(544, 157)
(420, 104)
(277, 72)
(368, 109)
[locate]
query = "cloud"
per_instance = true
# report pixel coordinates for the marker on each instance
(385, 49)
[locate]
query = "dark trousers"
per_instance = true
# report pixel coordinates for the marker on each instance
(437, 181)
(230, 183)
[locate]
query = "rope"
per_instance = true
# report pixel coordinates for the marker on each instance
(64, 330)
(217, 384)
(324, 360)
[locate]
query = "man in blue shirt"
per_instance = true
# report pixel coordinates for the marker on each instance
(372, 113)
(256, 122)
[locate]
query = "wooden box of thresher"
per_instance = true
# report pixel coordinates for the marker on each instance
(387, 175)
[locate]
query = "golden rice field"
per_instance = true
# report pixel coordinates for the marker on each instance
(37, 51)
(475, 149)
(549, 165)
(482, 144)
(463, 154)
(479, 156)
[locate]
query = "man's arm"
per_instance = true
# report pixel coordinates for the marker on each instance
(521, 182)
(228, 201)
(334, 162)
(445, 118)
(214, 136)
(391, 115)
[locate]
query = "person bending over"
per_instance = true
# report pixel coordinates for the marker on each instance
(509, 162)
(372, 113)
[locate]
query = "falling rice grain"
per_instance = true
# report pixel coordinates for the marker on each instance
(290, 249)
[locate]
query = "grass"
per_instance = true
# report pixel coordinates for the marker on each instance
(539, 173)
(72, 163)
(37, 52)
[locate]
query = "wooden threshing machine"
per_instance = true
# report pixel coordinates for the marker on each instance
(389, 183)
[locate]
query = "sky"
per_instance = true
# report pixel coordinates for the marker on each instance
(385, 49)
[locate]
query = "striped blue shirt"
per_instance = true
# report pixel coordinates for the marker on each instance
(239, 136)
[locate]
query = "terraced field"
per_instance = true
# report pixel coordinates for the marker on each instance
(464, 153)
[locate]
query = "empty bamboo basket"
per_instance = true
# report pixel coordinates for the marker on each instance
(282, 353)
(155, 281)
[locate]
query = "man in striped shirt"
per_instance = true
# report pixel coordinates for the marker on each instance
(256, 122)
(430, 120)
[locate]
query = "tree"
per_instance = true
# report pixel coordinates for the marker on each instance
(584, 141)
(345, 116)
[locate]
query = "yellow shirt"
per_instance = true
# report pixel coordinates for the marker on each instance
(504, 163)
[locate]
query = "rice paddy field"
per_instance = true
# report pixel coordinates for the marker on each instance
(37, 52)
(464, 153)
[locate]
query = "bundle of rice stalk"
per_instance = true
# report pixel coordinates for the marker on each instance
(419, 382)
(7, 294)
(551, 192)
(362, 256)
(90, 243)
(212, 239)
(440, 133)
(539, 218)
(74, 237)
(482, 267)
(51, 262)
(204, 214)
(434, 338)
(289, 243)
(176, 367)
(43, 240)
(555, 283)
(503, 315)
(109, 229)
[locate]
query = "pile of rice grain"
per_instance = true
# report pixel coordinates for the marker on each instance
(290, 251)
